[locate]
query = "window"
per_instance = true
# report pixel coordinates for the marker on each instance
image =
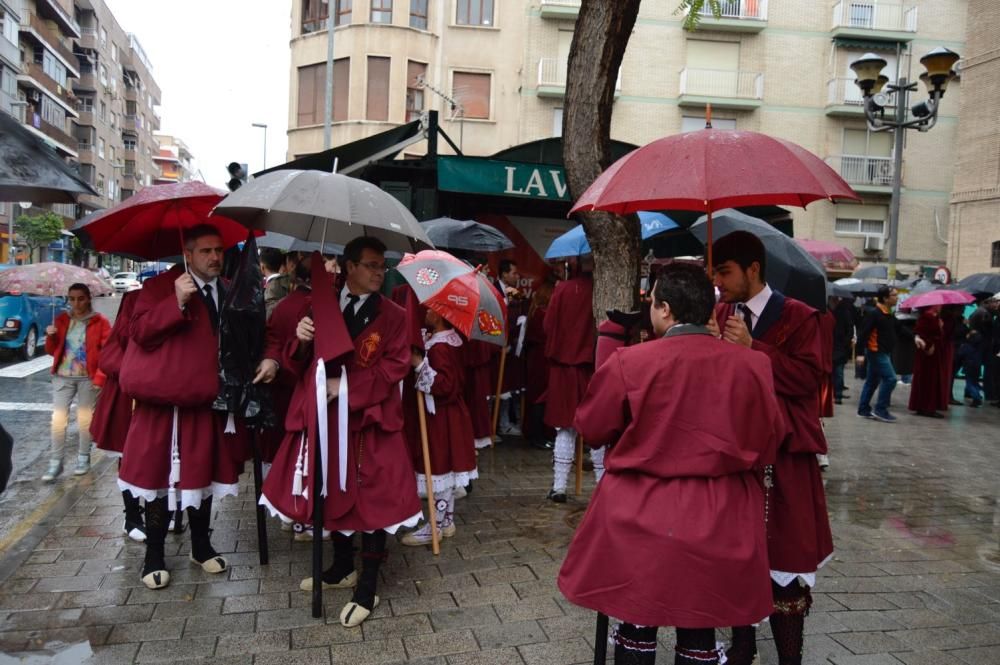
(51, 66)
(418, 14)
(114, 52)
(85, 104)
(103, 112)
(315, 14)
(474, 12)
(126, 193)
(860, 220)
(312, 92)
(377, 104)
(104, 37)
(130, 108)
(129, 143)
(8, 81)
(53, 114)
(100, 148)
(104, 75)
(381, 11)
(130, 167)
(114, 120)
(557, 122)
(995, 257)
(114, 154)
(472, 91)
(9, 28)
(713, 69)
(694, 123)
(100, 183)
(415, 74)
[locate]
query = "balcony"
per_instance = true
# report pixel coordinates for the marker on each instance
(32, 24)
(88, 38)
(154, 122)
(86, 152)
(872, 19)
(736, 16)
(34, 76)
(56, 135)
(86, 118)
(10, 52)
(552, 79)
(844, 99)
(132, 124)
(866, 174)
(86, 83)
(560, 9)
(53, 11)
(132, 94)
(722, 89)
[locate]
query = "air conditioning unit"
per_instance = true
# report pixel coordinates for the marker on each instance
(874, 244)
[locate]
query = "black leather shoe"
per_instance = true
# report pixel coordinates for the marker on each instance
(556, 497)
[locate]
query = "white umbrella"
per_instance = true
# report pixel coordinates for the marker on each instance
(323, 207)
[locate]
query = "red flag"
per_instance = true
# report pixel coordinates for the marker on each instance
(332, 339)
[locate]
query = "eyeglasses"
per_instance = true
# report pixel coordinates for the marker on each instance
(374, 267)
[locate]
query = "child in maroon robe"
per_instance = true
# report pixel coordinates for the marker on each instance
(675, 532)
(441, 377)
(931, 366)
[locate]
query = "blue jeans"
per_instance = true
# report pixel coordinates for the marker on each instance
(879, 374)
(973, 389)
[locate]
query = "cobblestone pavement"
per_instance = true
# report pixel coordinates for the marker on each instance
(915, 579)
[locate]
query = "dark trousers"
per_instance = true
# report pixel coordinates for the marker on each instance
(838, 380)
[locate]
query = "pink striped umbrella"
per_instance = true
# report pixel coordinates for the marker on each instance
(830, 254)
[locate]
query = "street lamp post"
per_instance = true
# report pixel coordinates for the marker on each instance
(876, 89)
(264, 127)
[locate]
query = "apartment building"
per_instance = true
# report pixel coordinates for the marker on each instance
(173, 160)
(975, 199)
(496, 72)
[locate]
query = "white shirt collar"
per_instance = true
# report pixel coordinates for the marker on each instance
(757, 304)
(344, 293)
(214, 283)
(273, 275)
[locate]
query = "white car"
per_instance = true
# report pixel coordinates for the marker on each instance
(125, 281)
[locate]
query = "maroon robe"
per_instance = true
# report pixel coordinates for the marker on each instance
(826, 324)
(404, 296)
(449, 428)
(477, 357)
(210, 461)
(674, 534)
(798, 527)
(928, 391)
(280, 331)
(381, 491)
(569, 348)
(113, 411)
(537, 366)
(514, 365)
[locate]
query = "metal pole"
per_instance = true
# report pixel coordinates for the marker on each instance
(265, 146)
(331, 10)
(897, 174)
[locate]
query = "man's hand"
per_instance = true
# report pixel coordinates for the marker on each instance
(930, 351)
(50, 330)
(713, 326)
(184, 288)
(266, 371)
(305, 331)
(736, 332)
(416, 358)
(332, 388)
(921, 344)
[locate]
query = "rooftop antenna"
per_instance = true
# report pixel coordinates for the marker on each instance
(457, 110)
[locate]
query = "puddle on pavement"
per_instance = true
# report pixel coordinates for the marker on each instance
(52, 654)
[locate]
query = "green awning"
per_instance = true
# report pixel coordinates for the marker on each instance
(868, 45)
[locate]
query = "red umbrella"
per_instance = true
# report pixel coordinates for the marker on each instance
(939, 297)
(830, 254)
(150, 224)
(712, 169)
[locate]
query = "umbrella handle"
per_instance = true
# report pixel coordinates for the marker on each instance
(180, 232)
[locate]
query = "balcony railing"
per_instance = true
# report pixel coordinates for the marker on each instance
(568, 6)
(65, 95)
(844, 91)
(863, 169)
(737, 9)
(52, 39)
(552, 74)
(722, 83)
(53, 132)
(874, 15)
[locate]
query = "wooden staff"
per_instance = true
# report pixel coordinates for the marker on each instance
(496, 404)
(579, 464)
(428, 481)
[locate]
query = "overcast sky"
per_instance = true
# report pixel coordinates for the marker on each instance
(221, 65)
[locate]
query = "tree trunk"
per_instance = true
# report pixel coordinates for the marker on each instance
(601, 35)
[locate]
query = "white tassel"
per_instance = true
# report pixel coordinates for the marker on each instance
(230, 424)
(175, 466)
(297, 480)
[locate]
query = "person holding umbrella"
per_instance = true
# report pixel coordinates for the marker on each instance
(787, 331)
(74, 340)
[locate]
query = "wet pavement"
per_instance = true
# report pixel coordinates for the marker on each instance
(915, 578)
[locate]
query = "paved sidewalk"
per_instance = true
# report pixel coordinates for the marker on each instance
(915, 579)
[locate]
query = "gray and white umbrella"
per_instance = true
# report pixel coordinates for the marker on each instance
(323, 207)
(466, 234)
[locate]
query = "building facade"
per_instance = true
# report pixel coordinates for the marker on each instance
(975, 199)
(496, 72)
(173, 160)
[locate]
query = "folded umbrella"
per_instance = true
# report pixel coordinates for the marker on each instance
(466, 234)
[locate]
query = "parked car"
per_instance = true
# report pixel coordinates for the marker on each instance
(23, 320)
(125, 281)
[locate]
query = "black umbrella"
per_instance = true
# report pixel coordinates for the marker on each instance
(878, 271)
(981, 282)
(30, 170)
(790, 269)
(451, 233)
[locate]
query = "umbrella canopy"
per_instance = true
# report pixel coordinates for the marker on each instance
(838, 291)
(981, 282)
(323, 207)
(830, 254)
(150, 224)
(50, 278)
(940, 297)
(858, 287)
(458, 292)
(574, 242)
(790, 268)
(30, 170)
(713, 169)
(287, 243)
(465, 234)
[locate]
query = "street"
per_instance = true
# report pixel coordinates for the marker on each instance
(915, 578)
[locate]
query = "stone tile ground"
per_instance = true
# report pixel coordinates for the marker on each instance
(915, 579)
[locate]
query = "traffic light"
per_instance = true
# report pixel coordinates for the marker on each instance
(237, 175)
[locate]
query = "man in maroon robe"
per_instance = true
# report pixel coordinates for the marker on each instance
(569, 347)
(379, 494)
(675, 533)
(174, 451)
(787, 331)
(513, 375)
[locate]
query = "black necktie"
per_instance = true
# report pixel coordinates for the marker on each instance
(747, 316)
(213, 310)
(349, 311)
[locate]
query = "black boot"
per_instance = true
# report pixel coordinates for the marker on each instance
(202, 552)
(696, 646)
(791, 605)
(134, 527)
(154, 567)
(635, 645)
(744, 647)
(364, 600)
